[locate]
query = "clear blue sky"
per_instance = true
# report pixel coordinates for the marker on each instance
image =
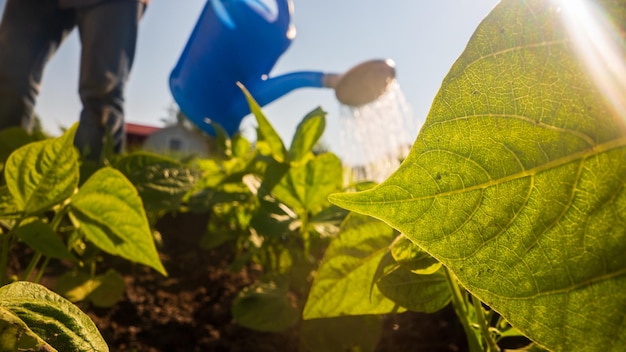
(423, 37)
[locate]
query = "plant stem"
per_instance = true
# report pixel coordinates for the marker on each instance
(4, 256)
(31, 266)
(461, 309)
(41, 270)
(304, 231)
(491, 345)
(58, 216)
(56, 221)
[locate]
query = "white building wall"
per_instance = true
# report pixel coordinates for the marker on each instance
(177, 140)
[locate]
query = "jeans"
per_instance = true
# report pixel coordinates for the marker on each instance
(30, 33)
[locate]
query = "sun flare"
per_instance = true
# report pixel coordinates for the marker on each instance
(600, 44)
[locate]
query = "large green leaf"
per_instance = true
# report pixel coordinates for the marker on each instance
(15, 335)
(49, 317)
(42, 174)
(110, 214)
(516, 181)
(343, 283)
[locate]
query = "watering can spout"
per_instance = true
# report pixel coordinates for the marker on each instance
(360, 85)
(267, 90)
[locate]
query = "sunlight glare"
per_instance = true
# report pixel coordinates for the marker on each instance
(601, 46)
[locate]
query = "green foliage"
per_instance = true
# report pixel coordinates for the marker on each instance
(305, 188)
(510, 207)
(516, 184)
(42, 174)
(268, 140)
(343, 283)
(255, 304)
(33, 318)
(101, 290)
(308, 133)
(15, 335)
(162, 183)
(419, 293)
(11, 139)
(43, 206)
(412, 257)
(271, 204)
(108, 211)
(40, 236)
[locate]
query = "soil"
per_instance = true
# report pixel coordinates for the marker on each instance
(190, 309)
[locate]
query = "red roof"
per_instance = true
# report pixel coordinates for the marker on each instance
(140, 130)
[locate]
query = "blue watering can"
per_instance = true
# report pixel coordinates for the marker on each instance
(240, 41)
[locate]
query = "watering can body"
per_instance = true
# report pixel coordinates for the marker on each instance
(235, 41)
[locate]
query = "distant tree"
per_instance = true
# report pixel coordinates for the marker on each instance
(176, 117)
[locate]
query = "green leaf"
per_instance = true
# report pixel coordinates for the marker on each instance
(516, 181)
(265, 307)
(308, 133)
(343, 282)
(11, 139)
(75, 286)
(42, 174)
(110, 291)
(241, 146)
(110, 214)
(102, 290)
(15, 335)
(51, 317)
(216, 237)
(161, 182)
(308, 186)
(328, 221)
(413, 257)
(419, 293)
(41, 237)
(268, 140)
(272, 219)
(341, 334)
(8, 207)
(221, 137)
(212, 173)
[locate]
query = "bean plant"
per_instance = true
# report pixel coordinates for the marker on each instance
(511, 202)
(509, 207)
(271, 203)
(44, 205)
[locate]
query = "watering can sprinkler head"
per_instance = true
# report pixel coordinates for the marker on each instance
(362, 84)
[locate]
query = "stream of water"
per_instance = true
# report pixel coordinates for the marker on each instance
(376, 137)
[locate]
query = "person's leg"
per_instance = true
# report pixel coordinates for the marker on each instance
(108, 33)
(30, 32)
